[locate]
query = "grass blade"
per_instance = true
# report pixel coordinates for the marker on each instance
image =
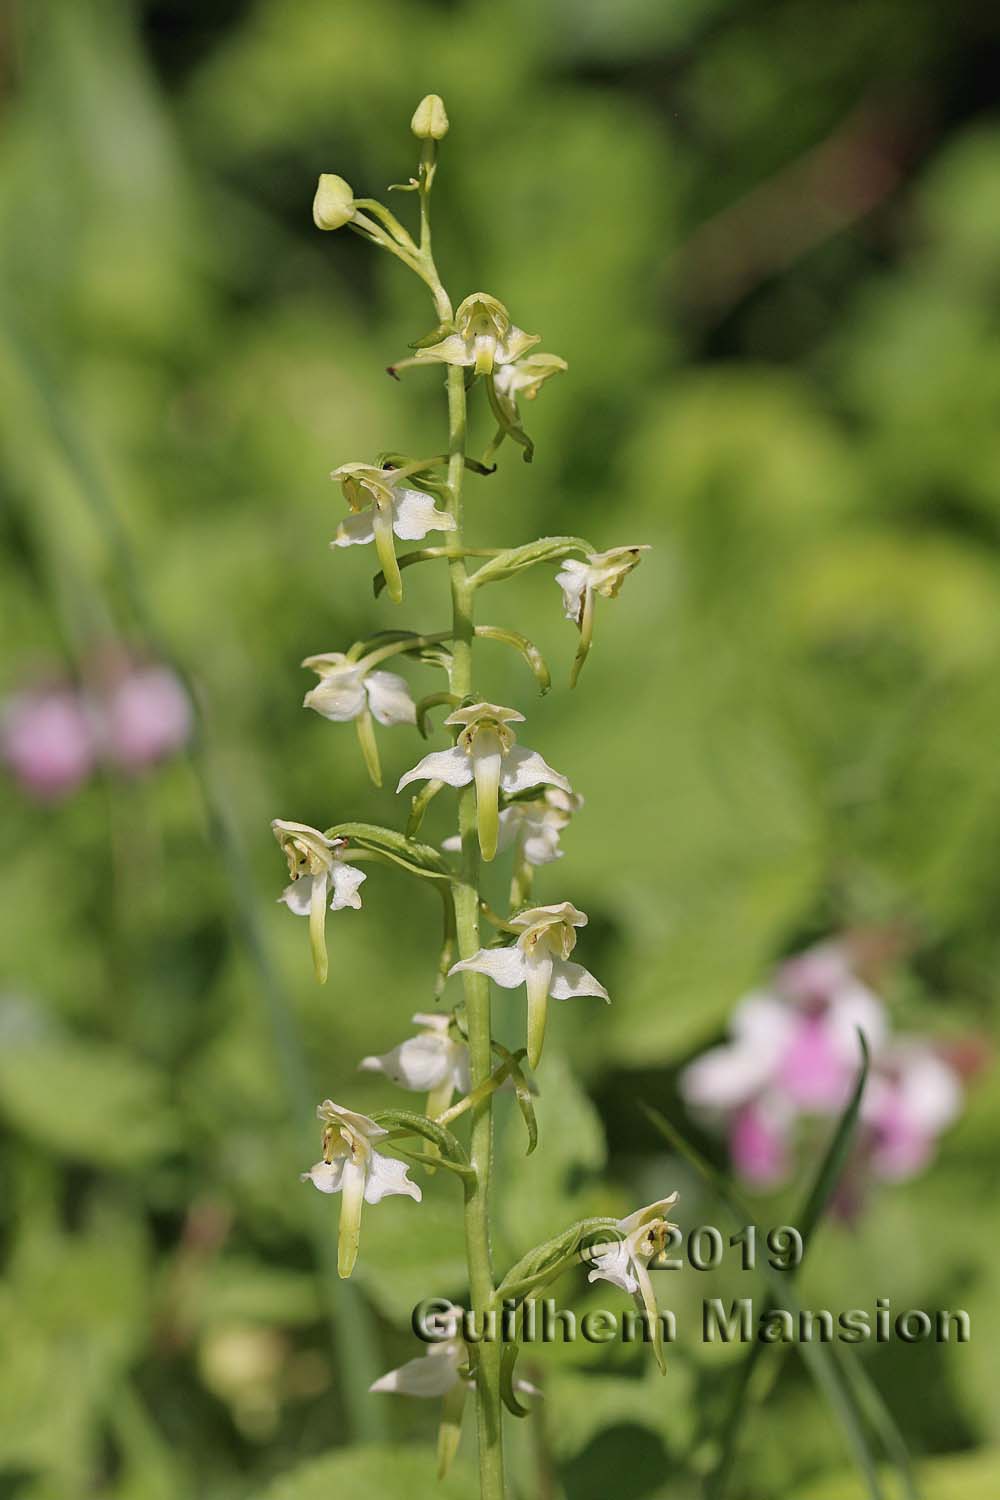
(817, 1358)
(822, 1189)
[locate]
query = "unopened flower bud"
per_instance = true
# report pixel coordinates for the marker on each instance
(430, 119)
(333, 205)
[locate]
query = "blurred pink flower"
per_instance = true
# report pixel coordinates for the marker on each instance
(796, 1044)
(53, 737)
(914, 1095)
(146, 716)
(793, 1051)
(47, 739)
(759, 1144)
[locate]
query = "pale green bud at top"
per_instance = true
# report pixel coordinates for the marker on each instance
(430, 119)
(333, 205)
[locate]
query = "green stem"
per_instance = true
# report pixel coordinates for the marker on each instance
(477, 993)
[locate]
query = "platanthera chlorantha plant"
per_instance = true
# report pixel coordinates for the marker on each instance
(510, 803)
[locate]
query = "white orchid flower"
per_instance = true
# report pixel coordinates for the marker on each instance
(351, 1166)
(625, 1261)
(599, 573)
(352, 690)
(525, 377)
(432, 1374)
(318, 870)
(532, 827)
(485, 752)
(430, 1062)
(540, 961)
(444, 1370)
(483, 336)
(382, 506)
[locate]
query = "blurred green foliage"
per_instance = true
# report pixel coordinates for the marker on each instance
(767, 239)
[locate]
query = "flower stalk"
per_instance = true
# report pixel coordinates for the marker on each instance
(509, 801)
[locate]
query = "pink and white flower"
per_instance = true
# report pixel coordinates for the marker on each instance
(793, 1053)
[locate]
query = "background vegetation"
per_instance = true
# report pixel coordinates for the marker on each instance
(766, 236)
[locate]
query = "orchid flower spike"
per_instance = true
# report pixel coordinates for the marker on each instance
(317, 868)
(532, 828)
(486, 753)
(430, 1062)
(350, 1165)
(350, 690)
(443, 1370)
(482, 336)
(600, 573)
(539, 960)
(382, 505)
(625, 1262)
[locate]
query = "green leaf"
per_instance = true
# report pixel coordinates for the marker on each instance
(806, 1221)
(419, 859)
(516, 559)
(415, 1124)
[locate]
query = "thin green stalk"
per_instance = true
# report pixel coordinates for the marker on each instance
(476, 986)
(477, 998)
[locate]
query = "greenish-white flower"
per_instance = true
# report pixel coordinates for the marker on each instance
(624, 1261)
(600, 573)
(443, 1371)
(486, 752)
(318, 870)
(525, 378)
(351, 1166)
(540, 960)
(352, 691)
(433, 1062)
(482, 335)
(532, 827)
(384, 506)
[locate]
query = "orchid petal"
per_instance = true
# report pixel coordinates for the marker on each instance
(523, 768)
(387, 1177)
(355, 530)
(298, 896)
(389, 698)
(505, 966)
(339, 695)
(570, 979)
(345, 880)
(452, 766)
(414, 514)
(421, 1063)
(326, 1175)
(432, 1374)
(614, 1263)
